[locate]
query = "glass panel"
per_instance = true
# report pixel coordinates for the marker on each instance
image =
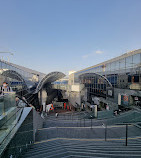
(113, 66)
(0, 64)
(117, 65)
(3, 65)
(122, 64)
(18, 71)
(96, 69)
(100, 69)
(7, 102)
(136, 60)
(108, 67)
(129, 62)
(13, 68)
(1, 105)
(8, 66)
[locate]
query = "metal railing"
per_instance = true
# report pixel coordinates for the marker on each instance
(122, 128)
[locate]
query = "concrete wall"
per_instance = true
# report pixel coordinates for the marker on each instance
(37, 123)
(76, 88)
(74, 97)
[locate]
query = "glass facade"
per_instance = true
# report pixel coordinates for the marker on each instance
(29, 75)
(62, 84)
(123, 72)
(7, 66)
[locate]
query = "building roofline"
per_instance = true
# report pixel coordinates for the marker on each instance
(112, 60)
(23, 68)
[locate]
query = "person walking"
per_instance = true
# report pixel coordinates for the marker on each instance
(56, 115)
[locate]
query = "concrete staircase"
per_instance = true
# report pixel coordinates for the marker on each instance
(56, 141)
(63, 148)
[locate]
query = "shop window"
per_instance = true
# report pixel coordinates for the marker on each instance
(133, 79)
(136, 78)
(129, 78)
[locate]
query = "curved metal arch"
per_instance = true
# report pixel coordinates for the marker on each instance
(51, 77)
(14, 75)
(90, 74)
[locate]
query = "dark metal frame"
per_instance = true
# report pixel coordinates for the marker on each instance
(14, 75)
(49, 78)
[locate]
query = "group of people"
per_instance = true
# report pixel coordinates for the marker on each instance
(22, 102)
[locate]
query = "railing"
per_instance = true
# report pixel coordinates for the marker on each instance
(7, 102)
(7, 114)
(105, 114)
(129, 117)
(18, 126)
(71, 126)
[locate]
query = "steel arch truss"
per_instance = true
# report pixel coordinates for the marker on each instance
(14, 75)
(49, 78)
(95, 74)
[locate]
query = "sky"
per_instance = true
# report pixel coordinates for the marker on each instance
(64, 35)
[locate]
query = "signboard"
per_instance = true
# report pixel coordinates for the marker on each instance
(136, 98)
(125, 99)
(110, 92)
(119, 99)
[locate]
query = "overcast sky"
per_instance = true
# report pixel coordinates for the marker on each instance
(63, 35)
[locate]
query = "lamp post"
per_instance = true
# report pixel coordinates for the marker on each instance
(6, 53)
(105, 127)
(91, 117)
(126, 134)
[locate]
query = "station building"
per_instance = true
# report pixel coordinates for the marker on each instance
(33, 85)
(113, 83)
(16, 76)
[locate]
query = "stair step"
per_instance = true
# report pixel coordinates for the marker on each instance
(54, 154)
(83, 146)
(104, 148)
(81, 156)
(104, 151)
(38, 150)
(105, 155)
(49, 146)
(44, 151)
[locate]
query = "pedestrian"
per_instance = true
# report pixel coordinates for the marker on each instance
(115, 112)
(56, 114)
(5, 89)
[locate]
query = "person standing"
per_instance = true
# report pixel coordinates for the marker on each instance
(5, 89)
